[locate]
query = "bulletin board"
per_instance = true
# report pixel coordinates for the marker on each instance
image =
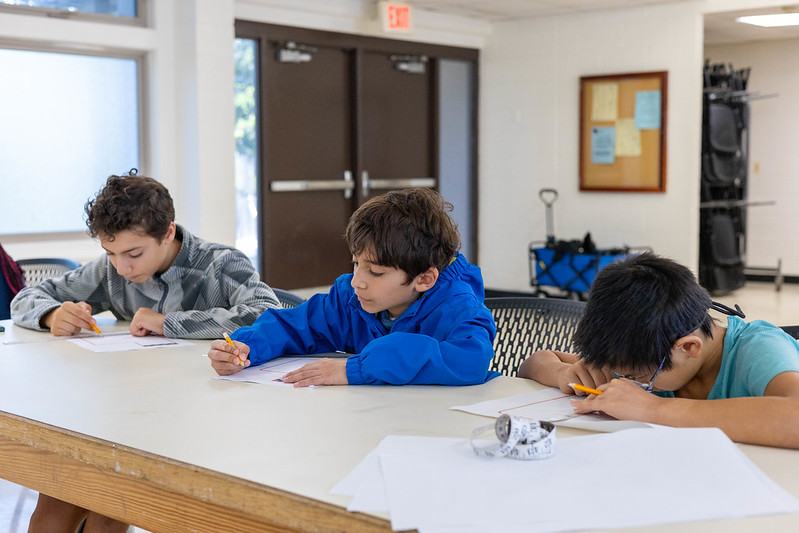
(623, 132)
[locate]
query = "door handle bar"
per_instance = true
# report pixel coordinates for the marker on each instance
(406, 183)
(347, 185)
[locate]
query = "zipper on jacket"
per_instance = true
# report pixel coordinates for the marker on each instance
(163, 296)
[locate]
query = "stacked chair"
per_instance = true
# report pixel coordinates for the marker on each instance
(725, 143)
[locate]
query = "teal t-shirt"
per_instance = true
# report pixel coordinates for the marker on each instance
(754, 352)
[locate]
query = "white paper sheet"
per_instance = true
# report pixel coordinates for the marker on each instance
(271, 372)
(649, 476)
(548, 404)
(125, 341)
(370, 495)
(18, 335)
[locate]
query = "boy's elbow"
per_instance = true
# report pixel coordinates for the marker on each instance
(478, 370)
(526, 369)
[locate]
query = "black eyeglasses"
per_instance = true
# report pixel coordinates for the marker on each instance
(648, 387)
(721, 308)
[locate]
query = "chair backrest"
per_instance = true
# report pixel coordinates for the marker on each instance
(526, 325)
(288, 299)
(793, 331)
(40, 269)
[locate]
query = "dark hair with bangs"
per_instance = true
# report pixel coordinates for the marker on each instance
(637, 309)
(408, 229)
(130, 202)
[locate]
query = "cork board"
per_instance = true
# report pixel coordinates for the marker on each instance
(623, 132)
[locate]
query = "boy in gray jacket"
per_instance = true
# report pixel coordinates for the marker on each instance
(155, 274)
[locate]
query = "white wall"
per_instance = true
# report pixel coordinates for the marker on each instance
(361, 17)
(530, 140)
(773, 166)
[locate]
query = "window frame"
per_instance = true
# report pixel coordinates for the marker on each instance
(142, 68)
(141, 18)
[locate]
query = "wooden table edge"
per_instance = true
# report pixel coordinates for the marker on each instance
(154, 492)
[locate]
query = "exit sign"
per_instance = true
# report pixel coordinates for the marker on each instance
(396, 17)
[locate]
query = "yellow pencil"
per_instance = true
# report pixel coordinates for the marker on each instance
(96, 329)
(589, 390)
(227, 338)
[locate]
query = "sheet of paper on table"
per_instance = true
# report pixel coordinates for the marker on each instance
(125, 341)
(271, 372)
(548, 404)
(438, 485)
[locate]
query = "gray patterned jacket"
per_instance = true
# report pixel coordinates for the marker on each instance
(209, 288)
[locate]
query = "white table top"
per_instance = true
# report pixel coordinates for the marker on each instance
(167, 402)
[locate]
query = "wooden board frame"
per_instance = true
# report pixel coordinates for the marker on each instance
(611, 109)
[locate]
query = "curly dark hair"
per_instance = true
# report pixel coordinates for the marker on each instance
(409, 229)
(127, 202)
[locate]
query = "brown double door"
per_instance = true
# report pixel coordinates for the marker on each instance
(342, 118)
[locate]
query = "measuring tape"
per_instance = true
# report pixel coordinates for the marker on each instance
(519, 438)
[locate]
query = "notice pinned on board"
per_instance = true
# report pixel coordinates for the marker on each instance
(603, 145)
(628, 138)
(647, 110)
(605, 104)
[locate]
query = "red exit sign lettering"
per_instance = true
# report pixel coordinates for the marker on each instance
(395, 17)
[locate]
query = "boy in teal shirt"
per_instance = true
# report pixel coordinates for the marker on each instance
(647, 323)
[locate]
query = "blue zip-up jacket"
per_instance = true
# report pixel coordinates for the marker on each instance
(444, 338)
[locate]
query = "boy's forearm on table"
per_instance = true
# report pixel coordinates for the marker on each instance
(768, 420)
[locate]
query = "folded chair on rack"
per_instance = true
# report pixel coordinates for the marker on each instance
(526, 325)
(722, 266)
(40, 269)
(723, 161)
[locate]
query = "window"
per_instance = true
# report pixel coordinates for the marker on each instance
(121, 11)
(69, 121)
(246, 133)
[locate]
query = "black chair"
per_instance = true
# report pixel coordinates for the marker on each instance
(288, 299)
(526, 325)
(793, 331)
(40, 269)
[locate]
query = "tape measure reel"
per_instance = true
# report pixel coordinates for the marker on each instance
(519, 438)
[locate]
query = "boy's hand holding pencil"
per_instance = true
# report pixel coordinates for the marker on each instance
(228, 356)
(587, 390)
(70, 318)
(582, 374)
(235, 350)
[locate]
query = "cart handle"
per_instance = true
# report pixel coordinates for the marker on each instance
(548, 196)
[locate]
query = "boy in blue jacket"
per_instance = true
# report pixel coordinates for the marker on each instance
(411, 312)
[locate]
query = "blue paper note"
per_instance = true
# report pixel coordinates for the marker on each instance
(603, 145)
(647, 110)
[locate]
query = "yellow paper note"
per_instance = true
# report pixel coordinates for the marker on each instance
(605, 102)
(628, 138)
